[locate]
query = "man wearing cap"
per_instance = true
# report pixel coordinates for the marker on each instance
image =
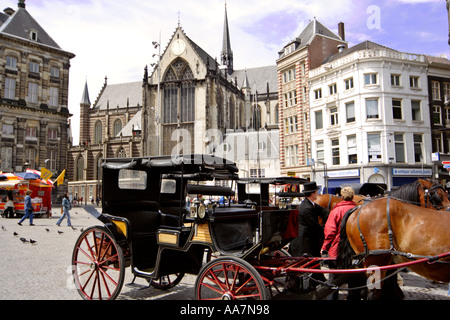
(310, 232)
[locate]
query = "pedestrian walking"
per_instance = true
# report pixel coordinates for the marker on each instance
(66, 207)
(28, 208)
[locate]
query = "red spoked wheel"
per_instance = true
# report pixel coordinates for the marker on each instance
(98, 265)
(229, 278)
(167, 282)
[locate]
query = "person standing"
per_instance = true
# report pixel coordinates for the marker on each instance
(310, 232)
(332, 232)
(28, 208)
(333, 225)
(66, 207)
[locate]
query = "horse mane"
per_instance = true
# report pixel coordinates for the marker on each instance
(407, 192)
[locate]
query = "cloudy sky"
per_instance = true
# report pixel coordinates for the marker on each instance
(113, 37)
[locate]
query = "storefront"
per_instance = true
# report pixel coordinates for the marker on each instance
(401, 176)
(335, 179)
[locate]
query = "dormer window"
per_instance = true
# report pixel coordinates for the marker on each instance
(33, 35)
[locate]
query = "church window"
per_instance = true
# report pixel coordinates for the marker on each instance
(179, 93)
(98, 132)
(121, 153)
(117, 127)
(80, 169)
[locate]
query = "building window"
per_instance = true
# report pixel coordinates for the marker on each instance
(257, 173)
(435, 90)
(437, 143)
(54, 72)
(319, 119)
(8, 129)
(334, 116)
(80, 169)
(397, 109)
(52, 134)
(318, 94)
(415, 110)
(437, 119)
(11, 63)
(180, 96)
(31, 132)
(414, 82)
(447, 116)
(54, 95)
(34, 67)
(418, 148)
(335, 151)
(7, 156)
(188, 104)
(332, 88)
(320, 153)
(33, 92)
(370, 79)
(10, 88)
(395, 80)
(350, 111)
(117, 127)
(348, 83)
(399, 148)
(289, 75)
(372, 108)
(30, 157)
(98, 132)
(374, 147)
(447, 90)
(52, 157)
(352, 149)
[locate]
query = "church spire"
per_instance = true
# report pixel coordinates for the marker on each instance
(85, 97)
(227, 53)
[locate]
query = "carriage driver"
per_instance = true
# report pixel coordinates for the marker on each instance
(310, 232)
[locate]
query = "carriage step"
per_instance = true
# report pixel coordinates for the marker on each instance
(137, 286)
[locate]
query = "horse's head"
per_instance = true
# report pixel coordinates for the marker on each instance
(434, 194)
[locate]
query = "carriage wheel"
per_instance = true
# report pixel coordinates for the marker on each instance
(229, 278)
(167, 282)
(98, 265)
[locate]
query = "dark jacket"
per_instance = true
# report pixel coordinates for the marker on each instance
(310, 232)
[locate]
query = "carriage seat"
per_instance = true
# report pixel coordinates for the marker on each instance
(143, 216)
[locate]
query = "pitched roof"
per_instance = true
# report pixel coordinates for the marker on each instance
(260, 76)
(313, 28)
(360, 46)
(21, 23)
(120, 95)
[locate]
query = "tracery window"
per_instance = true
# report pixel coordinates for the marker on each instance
(179, 93)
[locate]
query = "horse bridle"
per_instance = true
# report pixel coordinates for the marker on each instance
(432, 196)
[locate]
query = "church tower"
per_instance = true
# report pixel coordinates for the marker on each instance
(227, 53)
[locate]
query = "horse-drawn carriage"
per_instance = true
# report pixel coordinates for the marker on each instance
(236, 250)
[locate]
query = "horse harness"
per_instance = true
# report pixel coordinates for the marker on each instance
(359, 258)
(432, 196)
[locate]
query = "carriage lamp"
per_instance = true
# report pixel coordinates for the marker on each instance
(198, 209)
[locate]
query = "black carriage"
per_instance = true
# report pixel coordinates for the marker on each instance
(150, 227)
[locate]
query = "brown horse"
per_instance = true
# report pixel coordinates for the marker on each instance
(423, 192)
(329, 201)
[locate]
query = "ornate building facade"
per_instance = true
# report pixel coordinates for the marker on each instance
(188, 103)
(34, 77)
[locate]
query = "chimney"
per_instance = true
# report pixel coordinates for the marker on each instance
(21, 4)
(341, 30)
